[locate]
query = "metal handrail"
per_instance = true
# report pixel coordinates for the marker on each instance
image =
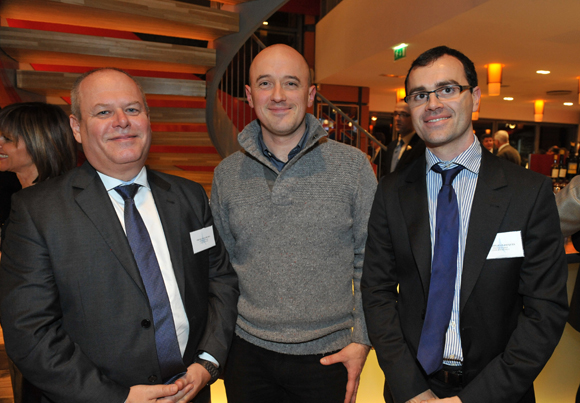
(349, 119)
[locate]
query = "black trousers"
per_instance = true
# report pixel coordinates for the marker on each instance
(256, 375)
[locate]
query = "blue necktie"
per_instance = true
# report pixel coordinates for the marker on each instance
(443, 273)
(168, 352)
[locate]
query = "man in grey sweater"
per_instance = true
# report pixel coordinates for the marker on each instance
(292, 208)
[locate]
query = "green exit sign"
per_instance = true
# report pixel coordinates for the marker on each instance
(400, 51)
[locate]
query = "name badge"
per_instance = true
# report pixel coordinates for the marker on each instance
(202, 239)
(506, 245)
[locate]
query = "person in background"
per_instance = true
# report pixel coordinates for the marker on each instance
(568, 201)
(504, 149)
(487, 142)
(292, 208)
(36, 144)
(114, 286)
(464, 279)
(408, 145)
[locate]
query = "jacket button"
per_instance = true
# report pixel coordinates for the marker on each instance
(152, 379)
(145, 323)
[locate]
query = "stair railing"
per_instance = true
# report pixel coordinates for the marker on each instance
(225, 82)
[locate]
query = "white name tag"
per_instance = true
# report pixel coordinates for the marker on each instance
(202, 239)
(506, 245)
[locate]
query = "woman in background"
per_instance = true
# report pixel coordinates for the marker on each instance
(36, 143)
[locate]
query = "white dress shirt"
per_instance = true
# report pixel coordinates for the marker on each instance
(146, 206)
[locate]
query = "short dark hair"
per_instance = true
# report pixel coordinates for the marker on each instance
(76, 96)
(433, 54)
(486, 136)
(47, 135)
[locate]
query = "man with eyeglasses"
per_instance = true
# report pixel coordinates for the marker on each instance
(467, 300)
(408, 145)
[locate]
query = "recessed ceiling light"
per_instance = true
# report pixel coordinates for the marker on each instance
(568, 103)
(508, 99)
(543, 71)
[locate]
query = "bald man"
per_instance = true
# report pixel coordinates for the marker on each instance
(504, 149)
(292, 208)
(407, 147)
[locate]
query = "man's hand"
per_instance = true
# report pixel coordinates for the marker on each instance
(193, 381)
(353, 357)
(150, 393)
(453, 399)
(427, 396)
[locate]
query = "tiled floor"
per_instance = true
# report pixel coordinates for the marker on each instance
(5, 385)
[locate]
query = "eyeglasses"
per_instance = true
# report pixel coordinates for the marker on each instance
(446, 93)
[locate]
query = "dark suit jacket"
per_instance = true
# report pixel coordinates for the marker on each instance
(414, 150)
(511, 154)
(72, 299)
(512, 311)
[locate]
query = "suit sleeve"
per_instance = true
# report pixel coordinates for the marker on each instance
(222, 297)
(542, 285)
(32, 319)
(380, 295)
(568, 200)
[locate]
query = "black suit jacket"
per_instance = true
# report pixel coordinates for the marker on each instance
(73, 305)
(512, 311)
(414, 150)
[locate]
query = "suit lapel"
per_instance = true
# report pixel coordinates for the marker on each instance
(92, 197)
(413, 200)
(490, 203)
(170, 214)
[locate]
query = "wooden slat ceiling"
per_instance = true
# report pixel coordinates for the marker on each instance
(160, 17)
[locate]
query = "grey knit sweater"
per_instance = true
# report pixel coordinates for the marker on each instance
(296, 240)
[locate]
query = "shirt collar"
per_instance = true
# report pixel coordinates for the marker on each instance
(111, 183)
(470, 159)
(299, 147)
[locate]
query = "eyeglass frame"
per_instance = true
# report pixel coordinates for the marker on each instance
(461, 89)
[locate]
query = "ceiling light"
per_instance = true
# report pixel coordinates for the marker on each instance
(568, 103)
(508, 98)
(493, 78)
(538, 110)
(265, 23)
(543, 71)
(400, 94)
(511, 126)
(391, 75)
(374, 118)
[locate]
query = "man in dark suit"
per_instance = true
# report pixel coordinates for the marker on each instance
(110, 280)
(504, 149)
(464, 281)
(407, 147)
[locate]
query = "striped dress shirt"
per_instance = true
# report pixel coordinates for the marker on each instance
(464, 186)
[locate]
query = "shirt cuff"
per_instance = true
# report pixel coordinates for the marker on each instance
(209, 357)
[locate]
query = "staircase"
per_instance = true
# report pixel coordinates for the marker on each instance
(167, 45)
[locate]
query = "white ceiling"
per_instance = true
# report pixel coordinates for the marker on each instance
(524, 35)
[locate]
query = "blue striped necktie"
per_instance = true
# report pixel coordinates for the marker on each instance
(443, 273)
(168, 352)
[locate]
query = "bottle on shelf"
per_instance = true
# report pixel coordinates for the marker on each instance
(555, 173)
(562, 167)
(572, 164)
